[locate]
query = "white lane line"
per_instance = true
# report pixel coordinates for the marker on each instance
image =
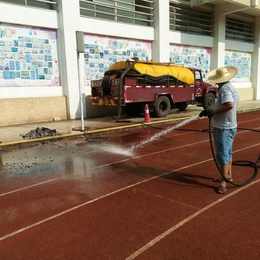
(168, 199)
(27, 187)
(183, 222)
(94, 200)
(246, 121)
(207, 128)
(103, 165)
(107, 195)
(121, 161)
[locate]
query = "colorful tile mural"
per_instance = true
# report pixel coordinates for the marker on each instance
(242, 61)
(28, 56)
(193, 57)
(102, 51)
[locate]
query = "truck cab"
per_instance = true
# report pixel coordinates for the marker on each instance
(205, 93)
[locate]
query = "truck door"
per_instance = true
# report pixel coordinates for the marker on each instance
(198, 83)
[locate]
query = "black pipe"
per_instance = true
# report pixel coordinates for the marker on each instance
(121, 87)
(238, 163)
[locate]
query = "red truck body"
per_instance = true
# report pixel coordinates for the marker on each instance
(160, 97)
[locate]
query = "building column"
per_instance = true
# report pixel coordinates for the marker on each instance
(162, 28)
(69, 23)
(218, 53)
(256, 61)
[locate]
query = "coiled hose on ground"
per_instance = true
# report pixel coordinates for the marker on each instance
(243, 163)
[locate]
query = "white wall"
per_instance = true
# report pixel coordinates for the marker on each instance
(193, 40)
(161, 34)
(24, 92)
(19, 15)
(24, 15)
(240, 46)
(68, 20)
(114, 29)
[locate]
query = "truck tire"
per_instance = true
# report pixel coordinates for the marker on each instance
(209, 101)
(182, 105)
(162, 106)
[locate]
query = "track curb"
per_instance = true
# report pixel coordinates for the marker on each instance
(95, 131)
(105, 130)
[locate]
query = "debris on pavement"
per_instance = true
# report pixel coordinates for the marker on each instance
(96, 139)
(40, 132)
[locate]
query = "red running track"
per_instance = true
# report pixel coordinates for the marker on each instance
(159, 204)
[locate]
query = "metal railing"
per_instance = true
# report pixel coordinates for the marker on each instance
(127, 11)
(239, 30)
(187, 20)
(45, 4)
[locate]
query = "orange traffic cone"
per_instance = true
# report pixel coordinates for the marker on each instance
(147, 118)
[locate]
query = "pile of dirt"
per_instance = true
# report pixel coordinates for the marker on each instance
(40, 132)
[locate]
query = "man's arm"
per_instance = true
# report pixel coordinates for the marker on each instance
(224, 108)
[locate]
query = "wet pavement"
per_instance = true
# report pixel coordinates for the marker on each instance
(10, 135)
(85, 198)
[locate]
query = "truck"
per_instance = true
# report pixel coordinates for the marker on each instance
(134, 83)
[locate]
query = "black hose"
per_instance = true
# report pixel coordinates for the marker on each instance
(238, 163)
(117, 120)
(121, 86)
(146, 78)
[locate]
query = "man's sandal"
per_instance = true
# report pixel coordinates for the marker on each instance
(222, 189)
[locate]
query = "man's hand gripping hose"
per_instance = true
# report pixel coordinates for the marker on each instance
(244, 163)
(207, 113)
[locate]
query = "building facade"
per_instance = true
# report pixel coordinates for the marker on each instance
(43, 76)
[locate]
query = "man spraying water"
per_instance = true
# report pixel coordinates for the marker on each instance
(224, 120)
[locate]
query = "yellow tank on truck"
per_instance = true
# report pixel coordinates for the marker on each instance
(157, 69)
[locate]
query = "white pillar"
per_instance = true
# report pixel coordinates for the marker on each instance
(162, 28)
(256, 61)
(218, 53)
(69, 23)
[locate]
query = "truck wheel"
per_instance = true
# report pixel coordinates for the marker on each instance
(162, 106)
(182, 106)
(209, 101)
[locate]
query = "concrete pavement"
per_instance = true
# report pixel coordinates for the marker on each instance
(11, 135)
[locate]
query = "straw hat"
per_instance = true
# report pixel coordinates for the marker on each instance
(222, 74)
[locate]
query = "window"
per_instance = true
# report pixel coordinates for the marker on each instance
(188, 20)
(239, 30)
(126, 11)
(197, 75)
(45, 4)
